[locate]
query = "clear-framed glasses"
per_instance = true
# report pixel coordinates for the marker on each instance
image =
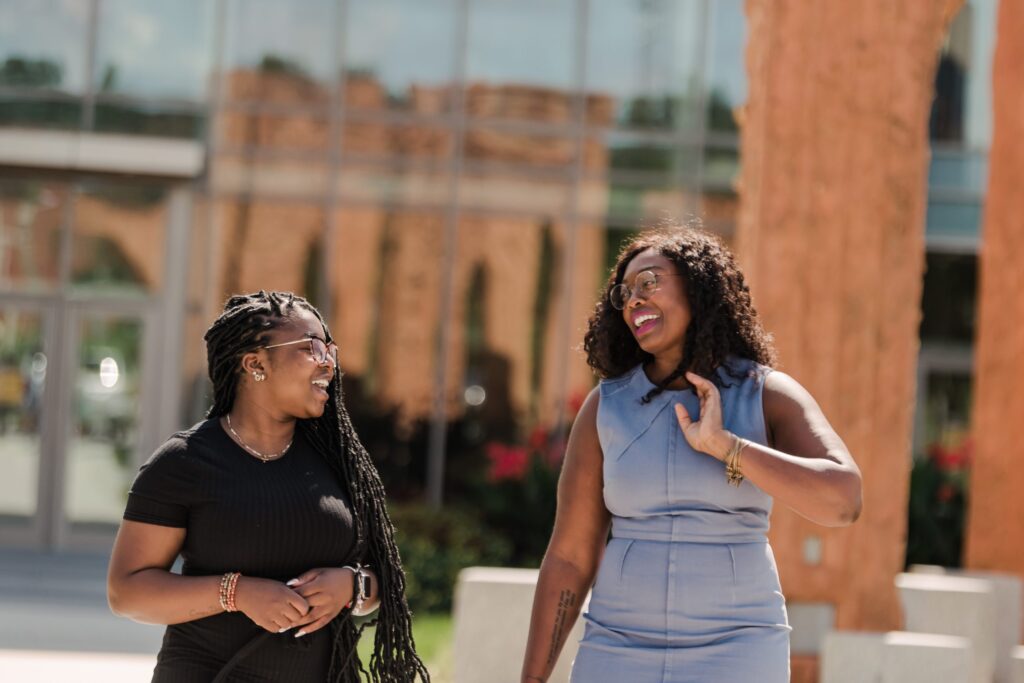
(644, 285)
(320, 350)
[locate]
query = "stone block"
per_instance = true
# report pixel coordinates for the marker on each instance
(492, 619)
(1017, 665)
(851, 657)
(955, 606)
(925, 658)
(810, 622)
(1009, 595)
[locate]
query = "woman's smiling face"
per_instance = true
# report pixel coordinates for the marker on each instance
(659, 320)
(295, 382)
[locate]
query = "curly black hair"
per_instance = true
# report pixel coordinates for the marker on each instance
(243, 327)
(723, 320)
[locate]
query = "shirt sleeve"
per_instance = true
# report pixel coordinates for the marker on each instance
(164, 489)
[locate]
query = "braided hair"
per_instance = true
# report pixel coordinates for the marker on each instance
(723, 321)
(241, 328)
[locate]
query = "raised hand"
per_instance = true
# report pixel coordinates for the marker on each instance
(706, 433)
(327, 590)
(270, 604)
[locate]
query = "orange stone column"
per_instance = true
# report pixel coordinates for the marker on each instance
(995, 533)
(835, 152)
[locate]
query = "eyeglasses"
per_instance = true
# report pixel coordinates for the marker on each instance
(644, 285)
(318, 349)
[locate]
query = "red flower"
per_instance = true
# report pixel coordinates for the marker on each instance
(507, 462)
(538, 438)
(952, 458)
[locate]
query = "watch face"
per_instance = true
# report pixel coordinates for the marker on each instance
(364, 586)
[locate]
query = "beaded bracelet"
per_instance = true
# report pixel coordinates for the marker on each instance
(226, 596)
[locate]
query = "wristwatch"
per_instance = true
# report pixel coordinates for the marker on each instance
(362, 588)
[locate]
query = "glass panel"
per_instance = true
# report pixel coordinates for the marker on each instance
(727, 76)
(148, 119)
(309, 132)
(42, 44)
(31, 214)
(520, 59)
(22, 380)
(270, 245)
(417, 142)
(959, 218)
(280, 51)
(284, 176)
(721, 166)
(400, 54)
(643, 57)
(506, 376)
(949, 298)
(117, 239)
(154, 49)
(40, 113)
(386, 280)
(42, 55)
(962, 109)
(516, 170)
(958, 170)
(395, 184)
(104, 427)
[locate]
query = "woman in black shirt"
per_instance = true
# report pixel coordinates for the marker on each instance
(274, 507)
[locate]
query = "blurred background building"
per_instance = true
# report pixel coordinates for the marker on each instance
(448, 181)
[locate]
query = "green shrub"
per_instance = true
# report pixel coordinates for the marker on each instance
(435, 545)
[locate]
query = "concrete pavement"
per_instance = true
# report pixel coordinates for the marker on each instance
(55, 624)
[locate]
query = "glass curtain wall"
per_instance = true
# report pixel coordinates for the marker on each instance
(448, 181)
(451, 183)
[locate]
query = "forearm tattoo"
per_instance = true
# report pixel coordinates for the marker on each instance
(566, 603)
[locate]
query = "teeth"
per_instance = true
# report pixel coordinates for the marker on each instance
(642, 319)
(322, 383)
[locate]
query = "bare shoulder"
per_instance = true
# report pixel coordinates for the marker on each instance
(583, 440)
(783, 395)
(795, 421)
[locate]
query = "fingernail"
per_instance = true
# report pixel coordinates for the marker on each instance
(292, 582)
(300, 634)
(284, 629)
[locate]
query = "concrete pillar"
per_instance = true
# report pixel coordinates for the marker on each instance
(492, 621)
(835, 147)
(995, 538)
(955, 606)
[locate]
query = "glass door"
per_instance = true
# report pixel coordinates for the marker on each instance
(107, 427)
(24, 364)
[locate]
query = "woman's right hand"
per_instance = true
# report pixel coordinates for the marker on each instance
(270, 604)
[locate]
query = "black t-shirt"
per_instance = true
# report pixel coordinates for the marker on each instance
(271, 520)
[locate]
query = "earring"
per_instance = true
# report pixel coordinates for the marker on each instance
(258, 376)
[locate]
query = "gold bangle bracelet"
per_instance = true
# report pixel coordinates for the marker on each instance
(733, 472)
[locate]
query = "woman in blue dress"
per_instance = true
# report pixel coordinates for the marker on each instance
(679, 453)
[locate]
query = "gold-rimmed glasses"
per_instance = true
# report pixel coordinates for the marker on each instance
(320, 350)
(644, 285)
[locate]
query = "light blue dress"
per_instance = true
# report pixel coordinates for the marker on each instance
(688, 590)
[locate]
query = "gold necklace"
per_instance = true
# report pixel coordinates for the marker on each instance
(262, 457)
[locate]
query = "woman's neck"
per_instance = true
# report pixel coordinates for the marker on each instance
(661, 367)
(260, 428)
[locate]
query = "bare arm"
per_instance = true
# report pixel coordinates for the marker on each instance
(807, 467)
(575, 550)
(141, 586)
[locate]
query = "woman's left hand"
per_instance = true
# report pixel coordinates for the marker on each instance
(327, 590)
(706, 433)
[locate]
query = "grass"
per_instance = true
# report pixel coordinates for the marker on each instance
(433, 634)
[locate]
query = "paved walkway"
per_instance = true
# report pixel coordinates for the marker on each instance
(55, 624)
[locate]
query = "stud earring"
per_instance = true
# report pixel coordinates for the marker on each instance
(258, 376)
